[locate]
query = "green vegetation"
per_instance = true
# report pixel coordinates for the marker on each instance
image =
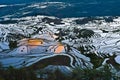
(12, 44)
(17, 74)
(77, 74)
(92, 74)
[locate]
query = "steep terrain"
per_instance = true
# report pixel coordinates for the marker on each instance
(87, 41)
